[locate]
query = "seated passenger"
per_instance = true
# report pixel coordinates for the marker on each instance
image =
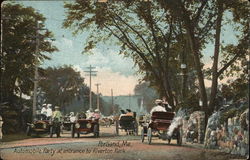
(72, 117)
(81, 115)
(96, 114)
(166, 105)
(44, 109)
(158, 107)
(129, 112)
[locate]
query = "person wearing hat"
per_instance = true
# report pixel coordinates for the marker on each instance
(158, 107)
(89, 114)
(96, 114)
(57, 114)
(44, 109)
(72, 117)
(49, 111)
(165, 104)
(129, 112)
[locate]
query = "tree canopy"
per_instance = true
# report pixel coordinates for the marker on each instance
(161, 35)
(19, 55)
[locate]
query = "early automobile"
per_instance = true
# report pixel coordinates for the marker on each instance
(43, 125)
(127, 123)
(159, 127)
(85, 126)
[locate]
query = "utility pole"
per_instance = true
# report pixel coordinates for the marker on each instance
(90, 73)
(129, 100)
(2, 54)
(112, 101)
(36, 70)
(98, 102)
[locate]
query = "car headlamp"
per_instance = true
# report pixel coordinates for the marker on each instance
(77, 125)
(88, 125)
(32, 125)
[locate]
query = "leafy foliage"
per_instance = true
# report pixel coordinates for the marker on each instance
(19, 56)
(62, 85)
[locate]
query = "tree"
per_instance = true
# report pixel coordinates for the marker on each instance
(62, 85)
(199, 17)
(141, 30)
(18, 55)
(155, 33)
(149, 94)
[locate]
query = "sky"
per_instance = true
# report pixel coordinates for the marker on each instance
(113, 70)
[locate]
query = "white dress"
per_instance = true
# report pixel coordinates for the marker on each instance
(158, 108)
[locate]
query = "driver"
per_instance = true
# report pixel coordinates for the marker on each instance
(158, 107)
(57, 114)
(96, 114)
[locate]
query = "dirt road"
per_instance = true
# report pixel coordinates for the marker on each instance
(107, 147)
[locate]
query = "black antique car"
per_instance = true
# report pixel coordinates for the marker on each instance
(159, 126)
(85, 126)
(43, 125)
(127, 123)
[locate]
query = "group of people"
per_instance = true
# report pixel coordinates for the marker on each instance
(88, 115)
(47, 111)
(128, 112)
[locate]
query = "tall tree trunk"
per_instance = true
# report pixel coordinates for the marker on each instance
(195, 51)
(216, 59)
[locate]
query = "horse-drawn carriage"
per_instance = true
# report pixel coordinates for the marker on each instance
(127, 123)
(159, 126)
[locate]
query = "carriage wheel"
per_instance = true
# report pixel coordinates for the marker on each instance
(179, 138)
(28, 131)
(142, 135)
(72, 131)
(117, 127)
(51, 132)
(149, 135)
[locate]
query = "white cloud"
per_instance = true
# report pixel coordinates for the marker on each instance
(64, 43)
(121, 84)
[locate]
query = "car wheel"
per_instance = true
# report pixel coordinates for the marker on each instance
(72, 130)
(117, 127)
(169, 140)
(179, 138)
(142, 135)
(51, 132)
(149, 135)
(28, 131)
(96, 131)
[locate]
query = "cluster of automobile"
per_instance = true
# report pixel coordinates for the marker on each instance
(157, 126)
(43, 125)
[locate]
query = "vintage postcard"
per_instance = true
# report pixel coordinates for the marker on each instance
(124, 80)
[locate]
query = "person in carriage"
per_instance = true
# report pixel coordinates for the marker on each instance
(159, 107)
